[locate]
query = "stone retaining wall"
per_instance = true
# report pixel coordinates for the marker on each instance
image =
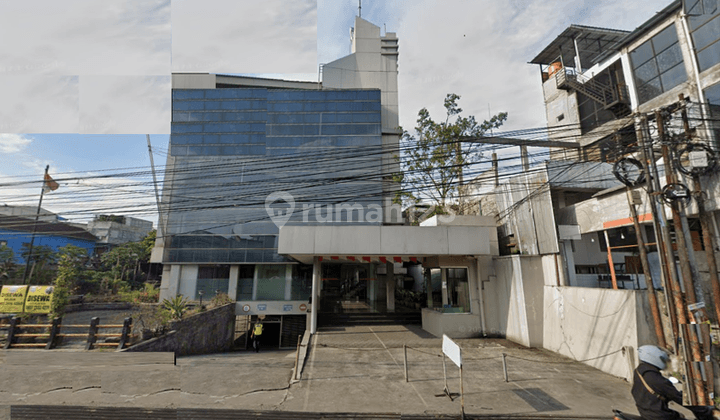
(206, 332)
(110, 306)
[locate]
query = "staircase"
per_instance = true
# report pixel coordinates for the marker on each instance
(615, 99)
(368, 318)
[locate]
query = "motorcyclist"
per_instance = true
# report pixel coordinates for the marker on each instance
(652, 391)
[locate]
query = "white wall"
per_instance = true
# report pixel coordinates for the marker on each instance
(523, 303)
(585, 323)
(513, 299)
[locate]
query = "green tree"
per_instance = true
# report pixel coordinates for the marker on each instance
(70, 272)
(435, 156)
(121, 266)
(8, 263)
(41, 263)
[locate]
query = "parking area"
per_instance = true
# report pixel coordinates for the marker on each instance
(348, 369)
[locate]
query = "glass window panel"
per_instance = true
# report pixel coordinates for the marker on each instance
(458, 290)
(665, 38)
(649, 90)
(709, 57)
(669, 58)
(188, 93)
(245, 282)
(693, 7)
(711, 6)
(301, 282)
(673, 77)
(646, 72)
(206, 116)
(712, 94)
(271, 282)
(210, 288)
(707, 34)
(436, 286)
(186, 128)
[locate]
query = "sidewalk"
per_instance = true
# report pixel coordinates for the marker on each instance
(354, 369)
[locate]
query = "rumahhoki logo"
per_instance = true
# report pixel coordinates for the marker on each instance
(280, 213)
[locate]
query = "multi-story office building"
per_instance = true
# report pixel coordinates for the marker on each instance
(243, 149)
(280, 194)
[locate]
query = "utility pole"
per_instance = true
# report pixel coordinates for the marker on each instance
(160, 233)
(673, 298)
(683, 256)
(32, 238)
(652, 298)
(705, 223)
(671, 178)
(459, 163)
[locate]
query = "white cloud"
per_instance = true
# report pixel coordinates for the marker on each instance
(13, 143)
(218, 36)
(125, 104)
(480, 49)
(76, 37)
(39, 104)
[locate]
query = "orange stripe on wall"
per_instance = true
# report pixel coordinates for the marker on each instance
(647, 217)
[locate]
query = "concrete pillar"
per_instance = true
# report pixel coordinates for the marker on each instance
(317, 273)
(390, 287)
(372, 284)
(170, 281)
(232, 286)
(443, 272)
(428, 287)
(288, 282)
(481, 272)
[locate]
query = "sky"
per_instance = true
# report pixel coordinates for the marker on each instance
(84, 81)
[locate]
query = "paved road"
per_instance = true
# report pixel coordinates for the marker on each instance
(354, 369)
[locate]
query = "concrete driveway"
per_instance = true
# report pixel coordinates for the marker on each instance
(355, 369)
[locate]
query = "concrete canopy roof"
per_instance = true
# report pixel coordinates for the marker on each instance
(592, 43)
(305, 242)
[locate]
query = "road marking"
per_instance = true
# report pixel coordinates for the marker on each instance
(398, 365)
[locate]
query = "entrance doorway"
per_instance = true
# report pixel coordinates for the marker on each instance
(347, 288)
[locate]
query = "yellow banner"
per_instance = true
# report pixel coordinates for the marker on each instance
(38, 299)
(12, 299)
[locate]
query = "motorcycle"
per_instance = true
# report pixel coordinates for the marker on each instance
(619, 415)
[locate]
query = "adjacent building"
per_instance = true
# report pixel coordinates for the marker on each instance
(566, 226)
(17, 232)
(114, 230)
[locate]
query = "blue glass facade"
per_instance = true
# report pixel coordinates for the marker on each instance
(232, 147)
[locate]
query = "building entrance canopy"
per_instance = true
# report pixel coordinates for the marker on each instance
(389, 243)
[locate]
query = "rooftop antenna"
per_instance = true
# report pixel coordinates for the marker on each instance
(359, 8)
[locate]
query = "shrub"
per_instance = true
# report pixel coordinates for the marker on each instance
(148, 294)
(175, 307)
(220, 299)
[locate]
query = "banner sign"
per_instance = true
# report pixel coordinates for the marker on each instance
(12, 299)
(39, 299)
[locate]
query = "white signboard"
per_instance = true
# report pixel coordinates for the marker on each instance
(452, 350)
